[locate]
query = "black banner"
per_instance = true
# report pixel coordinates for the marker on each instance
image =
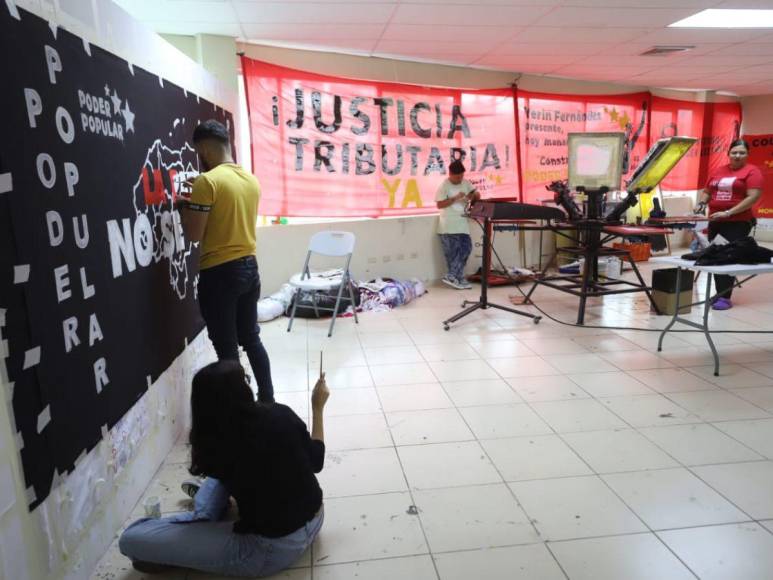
(97, 283)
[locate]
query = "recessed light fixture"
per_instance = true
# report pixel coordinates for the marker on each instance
(666, 50)
(719, 18)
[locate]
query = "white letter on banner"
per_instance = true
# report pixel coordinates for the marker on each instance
(62, 280)
(120, 245)
(69, 327)
(34, 105)
(43, 160)
(53, 62)
(143, 240)
(71, 176)
(64, 125)
(55, 234)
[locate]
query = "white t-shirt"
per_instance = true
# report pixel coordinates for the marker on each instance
(452, 220)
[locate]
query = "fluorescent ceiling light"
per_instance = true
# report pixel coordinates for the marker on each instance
(716, 18)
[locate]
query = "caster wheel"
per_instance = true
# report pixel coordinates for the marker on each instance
(464, 304)
(446, 327)
(537, 319)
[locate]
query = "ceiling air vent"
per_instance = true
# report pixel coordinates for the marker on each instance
(665, 50)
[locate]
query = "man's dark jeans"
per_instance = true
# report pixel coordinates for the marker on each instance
(228, 298)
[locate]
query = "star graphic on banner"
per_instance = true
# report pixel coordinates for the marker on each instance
(497, 179)
(128, 117)
(769, 163)
(107, 90)
(116, 102)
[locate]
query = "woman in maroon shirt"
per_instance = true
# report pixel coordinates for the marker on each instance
(731, 192)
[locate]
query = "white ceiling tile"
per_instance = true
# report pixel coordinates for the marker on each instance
(636, 48)
(436, 47)
(700, 35)
(258, 31)
(649, 3)
(186, 10)
(314, 13)
(547, 49)
(614, 17)
(723, 59)
(748, 4)
(354, 46)
(548, 62)
(746, 49)
(474, 15)
(190, 28)
(579, 34)
(447, 32)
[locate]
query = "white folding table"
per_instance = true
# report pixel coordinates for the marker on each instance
(748, 270)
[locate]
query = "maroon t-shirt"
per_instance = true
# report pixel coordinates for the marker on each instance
(728, 188)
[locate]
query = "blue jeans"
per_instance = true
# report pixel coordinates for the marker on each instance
(228, 299)
(456, 249)
(201, 541)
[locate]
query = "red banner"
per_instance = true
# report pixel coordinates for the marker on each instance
(714, 124)
(328, 146)
(546, 120)
(761, 155)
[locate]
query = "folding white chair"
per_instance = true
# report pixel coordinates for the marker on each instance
(331, 244)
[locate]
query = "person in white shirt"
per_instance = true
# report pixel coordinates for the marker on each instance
(452, 197)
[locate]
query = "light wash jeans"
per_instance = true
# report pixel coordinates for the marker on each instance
(201, 541)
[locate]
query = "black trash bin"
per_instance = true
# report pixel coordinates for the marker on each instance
(665, 292)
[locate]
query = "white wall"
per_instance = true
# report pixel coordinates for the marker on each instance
(400, 248)
(69, 532)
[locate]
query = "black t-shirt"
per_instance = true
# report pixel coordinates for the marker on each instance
(277, 492)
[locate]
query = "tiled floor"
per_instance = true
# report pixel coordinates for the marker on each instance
(531, 451)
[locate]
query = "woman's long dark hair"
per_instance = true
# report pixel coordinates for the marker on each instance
(224, 418)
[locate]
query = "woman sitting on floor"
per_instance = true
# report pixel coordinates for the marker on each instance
(261, 455)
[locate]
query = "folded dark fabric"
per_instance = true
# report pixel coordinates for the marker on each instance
(741, 251)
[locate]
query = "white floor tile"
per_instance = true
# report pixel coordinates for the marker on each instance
(718, 406)
(760, 396)
(463, 370)
(447, 465)
(631, 557)
(699, 444)
(612, 451)
(728, 552)
(464, 518)
(524, 366)
(540, 457)
(352, 402)
(504, 348)
(475, 393)
(430, 426)
(755, 434)
(402, 374)
(342, 377)
(732, 376)
(504, 421)
(747, 485)
(673, 498)
(672, 380)
(610, 384)
(550, 388)
(345, 432)
(368, 527)
(530, 562)
(361, 472)
(382, 339)
(448, 352)
(635, 360)
(578, 415)
(391, 355)
(575, 507)
(412, 567)
(414, 397)
(649, 410)
(554, 346)
(581, 363)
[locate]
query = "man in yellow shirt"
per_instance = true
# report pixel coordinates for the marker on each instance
(222, 214)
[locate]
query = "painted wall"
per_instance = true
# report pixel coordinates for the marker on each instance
(72, 529)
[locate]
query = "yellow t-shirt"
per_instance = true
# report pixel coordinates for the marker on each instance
(231, 197)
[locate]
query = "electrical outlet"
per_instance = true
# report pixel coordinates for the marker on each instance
(414, 255)
(372, 260)
(386, 259)
(400, 257)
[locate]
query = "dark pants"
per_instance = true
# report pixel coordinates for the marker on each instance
(228, 298)
(456, 249)
(730, 231)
